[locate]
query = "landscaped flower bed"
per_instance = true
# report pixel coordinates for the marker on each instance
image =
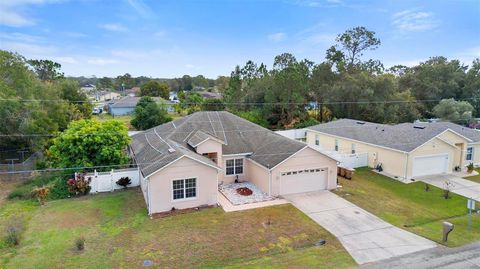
(244, 191)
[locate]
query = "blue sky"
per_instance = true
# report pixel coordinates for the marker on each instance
(170, 38)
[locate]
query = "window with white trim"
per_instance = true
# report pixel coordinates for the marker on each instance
(469, 155)
(184, 188)
(317, 140)
(234, 167)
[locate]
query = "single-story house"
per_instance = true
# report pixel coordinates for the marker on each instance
(183, 162)
(406, 150)
(127, 105)
(102, 96)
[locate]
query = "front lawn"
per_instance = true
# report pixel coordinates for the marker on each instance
(475, 178)
(119, 234)
(410, 207)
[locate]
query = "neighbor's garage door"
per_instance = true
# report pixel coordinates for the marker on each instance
(430, 165)
(303, 181)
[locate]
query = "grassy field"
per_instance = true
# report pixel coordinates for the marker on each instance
(475, 178)
(119, 234)
(125, 119)
(410, 207)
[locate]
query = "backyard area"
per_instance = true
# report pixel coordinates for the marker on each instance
(411, 207)
(119, 234)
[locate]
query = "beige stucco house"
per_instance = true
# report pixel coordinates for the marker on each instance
(182, 163)
(406, 150)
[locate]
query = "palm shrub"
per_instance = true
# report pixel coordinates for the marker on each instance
(124, 182)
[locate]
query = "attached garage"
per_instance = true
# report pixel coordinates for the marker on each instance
(303, 180)
(430, 165)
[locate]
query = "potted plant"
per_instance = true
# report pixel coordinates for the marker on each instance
(470, 168)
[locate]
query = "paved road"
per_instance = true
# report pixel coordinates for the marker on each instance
(460, 186)
(366, 237)
(444, 258)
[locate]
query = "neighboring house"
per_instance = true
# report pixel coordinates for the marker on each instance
(88, 88)
(102, 96)
(183, 162)
(126, 105)
(210, 95)
(406, 150)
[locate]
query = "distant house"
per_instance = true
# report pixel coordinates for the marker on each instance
(103, 96)
(88, 88)
(210, 95)
(127, 105)
(135, 91)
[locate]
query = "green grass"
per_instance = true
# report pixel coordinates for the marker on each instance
(119, 234)
(124, 119)
(475, 178)
(410, 207)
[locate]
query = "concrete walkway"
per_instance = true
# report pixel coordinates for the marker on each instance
(441, 257)
(229, 207)
(366, 237)
(460, 186)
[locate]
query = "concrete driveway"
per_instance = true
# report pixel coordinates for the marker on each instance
(366, 237)
(460, 186)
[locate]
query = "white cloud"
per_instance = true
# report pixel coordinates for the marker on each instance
(189, 66)
(10, 14)
(321, 39)
(115, 27)
(20, 37)
(141, 8)
(414, 21)
(130, 54)
(65, 60)
(101, 61)
(277, 37)
(27, 49)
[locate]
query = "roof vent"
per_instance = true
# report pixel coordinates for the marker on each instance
(419, 127)
(171, 150)
(361, 122)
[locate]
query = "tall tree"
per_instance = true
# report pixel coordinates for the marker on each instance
(456, 111)
(46, 70)
(351, 45)
(149, 114)
(155, 88)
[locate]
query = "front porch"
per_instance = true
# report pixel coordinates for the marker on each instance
(231, 199)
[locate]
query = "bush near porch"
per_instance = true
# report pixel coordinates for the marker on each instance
(409, 207)
(475, 178)
(119, 234)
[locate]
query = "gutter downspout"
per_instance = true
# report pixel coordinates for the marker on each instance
(269, 180)
(148, 197)
(406, 167)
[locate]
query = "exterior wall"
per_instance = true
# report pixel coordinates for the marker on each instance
(433, 147)
(211, 146)
(393, 162)
(476, 154)
(460, 142)
(120, 111)
(258, 175)
(160, 186)
(223, 178)
(307, 158)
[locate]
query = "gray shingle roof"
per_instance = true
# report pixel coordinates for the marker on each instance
(239, 136)
(128, 101)
(402, 136)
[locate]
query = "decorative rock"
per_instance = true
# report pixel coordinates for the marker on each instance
(230, 191)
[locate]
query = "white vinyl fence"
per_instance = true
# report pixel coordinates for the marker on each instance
(350, 160)
(106, 181)
(296, 134)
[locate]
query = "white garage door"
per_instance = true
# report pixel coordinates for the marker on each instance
(303, 180)
(430, 165)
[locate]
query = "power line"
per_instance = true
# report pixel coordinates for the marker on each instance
(263, 103)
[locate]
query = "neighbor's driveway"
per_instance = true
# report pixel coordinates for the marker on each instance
(461, 186)
(366, 237)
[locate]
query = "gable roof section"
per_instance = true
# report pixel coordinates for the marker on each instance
(199, 137)
(403, 137)
(128, 101)
(151, 147)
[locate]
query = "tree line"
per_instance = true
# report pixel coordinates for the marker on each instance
(346, 85)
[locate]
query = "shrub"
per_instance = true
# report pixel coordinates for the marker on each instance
(41, 194)
(59, 189)
(254, 116)
(124, 182)
(306, 123)
(79, 185)
(25, 190)
(80, 243)
(13, 236)
(470, 167)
